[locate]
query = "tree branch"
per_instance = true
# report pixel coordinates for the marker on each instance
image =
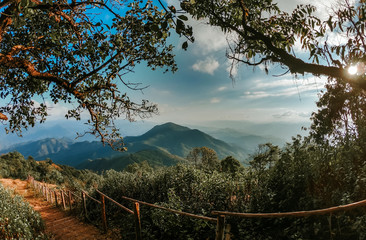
(295, 65)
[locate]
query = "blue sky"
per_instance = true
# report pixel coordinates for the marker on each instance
(201, 91)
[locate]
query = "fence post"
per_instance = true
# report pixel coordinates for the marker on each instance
(136, 212)
(55, 193)
(84, 203)
(51, 199)
(63, 199)
(227, 232)
(46, 190)
(220, 227)
(70, 199)
(104, 217)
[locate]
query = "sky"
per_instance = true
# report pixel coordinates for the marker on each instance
(201, 92)
(202, 89)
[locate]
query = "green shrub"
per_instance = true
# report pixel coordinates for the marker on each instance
(182, 187)
(18, 220)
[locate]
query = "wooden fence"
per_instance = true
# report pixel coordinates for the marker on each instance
(66, 199)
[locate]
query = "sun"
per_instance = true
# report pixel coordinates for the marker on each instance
(352, 70)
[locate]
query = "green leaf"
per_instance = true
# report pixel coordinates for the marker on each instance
(185, 45)
(155, 28)
(183, 17)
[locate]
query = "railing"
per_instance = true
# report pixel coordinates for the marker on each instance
(68, 198)
(67, 204)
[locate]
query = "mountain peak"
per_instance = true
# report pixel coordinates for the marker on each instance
(167, 127)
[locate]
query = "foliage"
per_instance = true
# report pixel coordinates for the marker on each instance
(182, 187)
(306, 176)
(204, 157)
(302, 176)
(262, 33)
(18, 220)
(14, 165)
(61, 51)
(231, 165)
(154, 157)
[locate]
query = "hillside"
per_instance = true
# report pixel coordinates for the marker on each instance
(164, 140)
(155, 158)
(179, 140)
(243, 139)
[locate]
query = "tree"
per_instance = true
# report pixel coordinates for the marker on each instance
(204, 156)
(63, 51)
(230, 165)
(265, 157)
(265, 34)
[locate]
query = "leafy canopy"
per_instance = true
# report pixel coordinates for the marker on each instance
(62, 51)
(260, 33)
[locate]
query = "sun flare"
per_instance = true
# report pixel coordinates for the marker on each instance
(352, 70)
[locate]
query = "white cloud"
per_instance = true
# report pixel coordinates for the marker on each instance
(208, 39)
(215, 100)
(285, 87)
(292, 115)
(209, 65)
(223, 88)
(54, 111)
(324, 8)
(261, 84)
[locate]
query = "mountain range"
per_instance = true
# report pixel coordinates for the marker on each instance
(165, 144)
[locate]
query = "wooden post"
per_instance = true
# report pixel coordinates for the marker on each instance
(220, 227)
(70, 199)
(84, 203)
(227, 232)
(63, 199)
(55, 193)
(46, 190)
(104, 217)
(136, 213)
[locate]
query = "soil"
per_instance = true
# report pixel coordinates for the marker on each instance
(59, 225)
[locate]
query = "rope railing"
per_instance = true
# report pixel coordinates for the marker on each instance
(113, 201)
(86, 194)
(171, 210)
(294, 214)
(220, 220)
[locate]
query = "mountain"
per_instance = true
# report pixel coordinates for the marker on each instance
(67, 129)
(163, 140)
(155, 158)
(249, 142)
(179, 140)
(62, 151)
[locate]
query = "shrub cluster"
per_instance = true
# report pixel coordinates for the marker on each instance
(14, 165)
(302, 176)
(18, 220)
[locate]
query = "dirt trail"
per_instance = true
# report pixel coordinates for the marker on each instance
(59, 225)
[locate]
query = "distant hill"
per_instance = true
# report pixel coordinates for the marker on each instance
(179, 140)
(155, 158)
(164, 141)
(62, 151)
(249, 142)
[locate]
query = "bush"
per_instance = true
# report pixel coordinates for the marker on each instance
(182, 187)
(18, 220)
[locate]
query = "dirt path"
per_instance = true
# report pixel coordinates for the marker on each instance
(59, 225)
